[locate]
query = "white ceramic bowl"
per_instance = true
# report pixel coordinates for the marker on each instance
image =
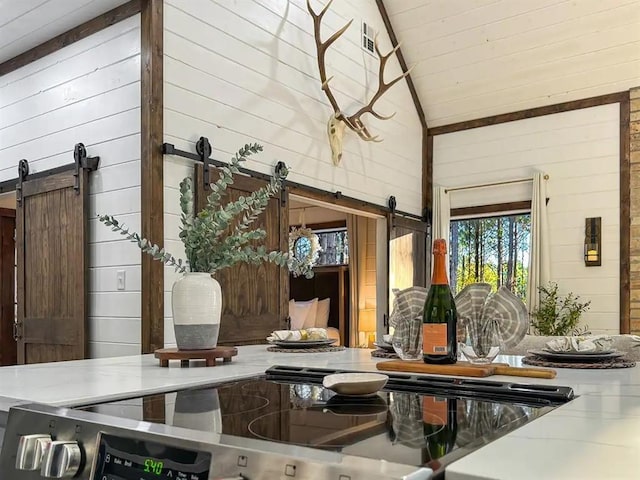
(355, 384)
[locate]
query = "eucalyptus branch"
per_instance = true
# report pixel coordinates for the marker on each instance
(219, 236)
(227, 171)
(147, 247)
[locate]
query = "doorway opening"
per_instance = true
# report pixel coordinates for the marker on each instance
(347, 294)
(8, 299)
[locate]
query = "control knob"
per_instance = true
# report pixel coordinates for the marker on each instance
(31, 449)
(61, 460)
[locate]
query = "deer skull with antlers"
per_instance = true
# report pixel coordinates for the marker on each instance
(338, 121)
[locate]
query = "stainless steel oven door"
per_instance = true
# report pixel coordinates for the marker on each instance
(66, 443)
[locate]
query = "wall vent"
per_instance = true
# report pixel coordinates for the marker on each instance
(368, 38)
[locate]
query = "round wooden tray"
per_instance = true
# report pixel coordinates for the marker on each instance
(209, 356)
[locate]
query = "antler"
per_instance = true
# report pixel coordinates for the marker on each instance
(322, 50)
(382, 88)
(354, 122)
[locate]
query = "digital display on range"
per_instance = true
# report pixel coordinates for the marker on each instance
(121, 458)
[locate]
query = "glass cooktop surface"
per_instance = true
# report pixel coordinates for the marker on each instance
(415, 428)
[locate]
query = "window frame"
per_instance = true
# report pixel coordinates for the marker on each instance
(483, 212)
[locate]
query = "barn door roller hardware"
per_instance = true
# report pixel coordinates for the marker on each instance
(203, 154)
(204, 146)
(281, 168)
(82, 162)
(23, 171)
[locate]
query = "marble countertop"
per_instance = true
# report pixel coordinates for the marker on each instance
(597, 435)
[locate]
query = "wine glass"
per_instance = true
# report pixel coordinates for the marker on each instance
(481, 341)
(407, 339)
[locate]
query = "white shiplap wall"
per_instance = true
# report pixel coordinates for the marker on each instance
(242, 72)
(88, 92)
(580, 152)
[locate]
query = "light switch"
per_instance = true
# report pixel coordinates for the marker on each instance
(120, 280)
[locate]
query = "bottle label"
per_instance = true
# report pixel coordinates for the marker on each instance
(434, 339)
(434, 410)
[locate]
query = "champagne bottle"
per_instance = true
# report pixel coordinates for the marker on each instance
(439, 319)
(440, 423)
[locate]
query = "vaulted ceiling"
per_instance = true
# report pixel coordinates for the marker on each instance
(25, 24)
(476, 58)
(473, 58)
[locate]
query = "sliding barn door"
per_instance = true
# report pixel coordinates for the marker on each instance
(51, 242)
(254, 297)
(408, 259)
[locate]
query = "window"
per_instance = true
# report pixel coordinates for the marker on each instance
(334, 245)
(493, 250)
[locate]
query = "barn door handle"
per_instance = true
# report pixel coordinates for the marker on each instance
(203, 148)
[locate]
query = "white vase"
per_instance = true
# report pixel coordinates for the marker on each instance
(196, 301)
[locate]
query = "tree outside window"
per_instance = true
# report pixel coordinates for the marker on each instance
(493, 250)
(334, 245)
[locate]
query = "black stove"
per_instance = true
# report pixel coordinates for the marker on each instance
(424, 422)
(280, 425)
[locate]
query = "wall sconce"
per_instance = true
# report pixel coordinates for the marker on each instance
(592, 242)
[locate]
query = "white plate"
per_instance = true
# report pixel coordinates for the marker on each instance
(303, 343)
(601, 352)
(572, 357)
(355, 384)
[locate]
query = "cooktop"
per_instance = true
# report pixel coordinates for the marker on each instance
(415, 420)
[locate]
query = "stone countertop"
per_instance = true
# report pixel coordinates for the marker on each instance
(595, 436)
(84, 382)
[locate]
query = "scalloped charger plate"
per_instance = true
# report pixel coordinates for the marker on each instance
(572, 356)
(303, 343)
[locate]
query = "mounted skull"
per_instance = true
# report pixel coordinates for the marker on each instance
(335, 131)
(338, 121)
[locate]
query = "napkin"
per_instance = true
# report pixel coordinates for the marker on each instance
(486, 313)
(406, 318)
(297, 335)
(591, 344)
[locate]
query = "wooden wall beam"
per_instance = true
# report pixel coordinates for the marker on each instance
(530, 113)
(427, 174)
(90, 27)
(152, 166)
(427, 158)
(625, 215)
(403, 64)
(496, 209)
